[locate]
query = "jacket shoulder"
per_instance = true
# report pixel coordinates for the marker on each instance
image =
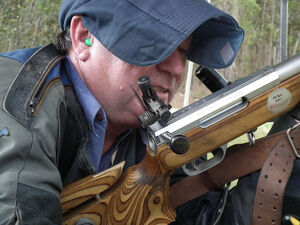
(19, 55)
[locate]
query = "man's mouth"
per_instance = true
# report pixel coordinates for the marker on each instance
(162, 93)
(160, 89)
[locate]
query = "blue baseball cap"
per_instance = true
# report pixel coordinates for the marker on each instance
(145, 32)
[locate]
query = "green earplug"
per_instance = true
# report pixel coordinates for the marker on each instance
(88, 42)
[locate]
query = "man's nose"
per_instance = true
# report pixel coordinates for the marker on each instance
(174, 64)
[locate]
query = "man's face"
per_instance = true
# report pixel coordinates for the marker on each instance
(110, 80)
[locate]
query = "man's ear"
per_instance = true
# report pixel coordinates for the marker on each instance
(79, 34)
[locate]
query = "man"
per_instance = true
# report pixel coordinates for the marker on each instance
(70, 116)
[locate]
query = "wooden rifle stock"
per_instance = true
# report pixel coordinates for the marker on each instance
(210, 138)
(140, 195)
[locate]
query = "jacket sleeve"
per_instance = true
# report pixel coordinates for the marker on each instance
(29, 179)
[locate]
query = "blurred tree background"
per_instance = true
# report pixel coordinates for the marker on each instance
(29, 23)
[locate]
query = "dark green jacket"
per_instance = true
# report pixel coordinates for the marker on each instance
(46, 147)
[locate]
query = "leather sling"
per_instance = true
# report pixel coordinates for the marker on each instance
(273, 179)
(240, 160)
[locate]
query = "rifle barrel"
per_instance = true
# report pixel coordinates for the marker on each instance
(288, 68)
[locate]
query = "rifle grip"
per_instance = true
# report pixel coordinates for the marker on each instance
(139, 197)
(84, 189)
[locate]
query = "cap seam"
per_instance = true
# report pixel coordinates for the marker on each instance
(156, 18)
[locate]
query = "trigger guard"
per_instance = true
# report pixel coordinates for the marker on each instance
(192, 169)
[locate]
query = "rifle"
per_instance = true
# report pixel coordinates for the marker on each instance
(140, 195)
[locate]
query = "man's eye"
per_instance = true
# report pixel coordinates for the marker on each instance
(183, 54)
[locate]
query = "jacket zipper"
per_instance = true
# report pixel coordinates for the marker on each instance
(39, 93)
(36, 101)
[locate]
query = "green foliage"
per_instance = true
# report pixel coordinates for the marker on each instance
(260, 20)
(27, 23)
(249, 22)
(294, 27)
